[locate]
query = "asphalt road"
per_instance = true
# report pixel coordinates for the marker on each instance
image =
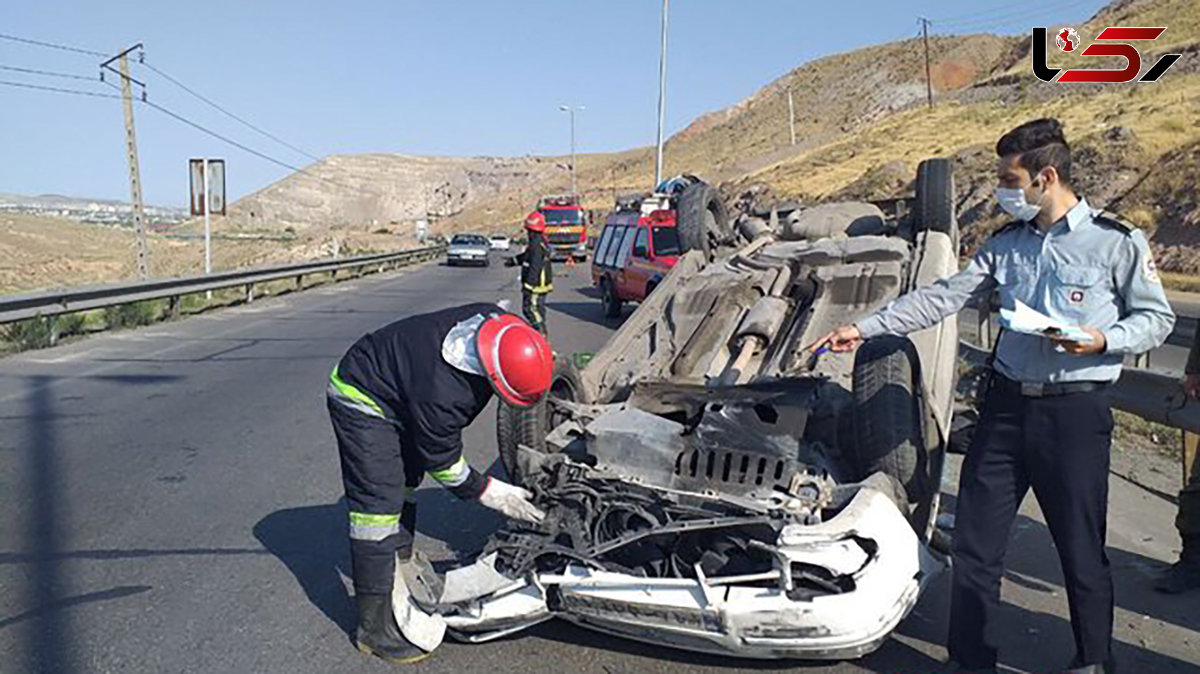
(169, 502)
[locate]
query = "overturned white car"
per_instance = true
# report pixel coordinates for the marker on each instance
(711, 485)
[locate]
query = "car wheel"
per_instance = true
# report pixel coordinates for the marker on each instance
(702, 219)
(609, 299)
(934, 208)
(516, 426)
(887, 416)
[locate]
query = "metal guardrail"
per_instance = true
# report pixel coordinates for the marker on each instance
(1154, 396)
(56, 302)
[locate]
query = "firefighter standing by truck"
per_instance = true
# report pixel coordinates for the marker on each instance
(537, 272)
(399, 400)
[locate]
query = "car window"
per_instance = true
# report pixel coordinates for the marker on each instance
(626, 246)
(641, 245)
(666, 241)
(610, 253)
(602, 245)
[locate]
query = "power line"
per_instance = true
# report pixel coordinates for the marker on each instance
(986, 14)
(191, 91)
(51, 45)
(77, 92)
(1007, 20)
(256, 153)
(49, 73)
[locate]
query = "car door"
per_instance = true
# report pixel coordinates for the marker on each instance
(624, 253)
(639, 268)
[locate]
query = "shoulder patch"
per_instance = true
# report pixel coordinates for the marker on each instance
(1008, 227)
(1110, 219)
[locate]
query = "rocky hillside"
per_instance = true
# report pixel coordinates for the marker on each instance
(862, 126)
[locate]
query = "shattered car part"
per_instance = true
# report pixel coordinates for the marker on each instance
(711, 484)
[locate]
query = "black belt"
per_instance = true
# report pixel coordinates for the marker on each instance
(1045, 389)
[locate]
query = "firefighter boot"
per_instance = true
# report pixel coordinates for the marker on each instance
(379, 635)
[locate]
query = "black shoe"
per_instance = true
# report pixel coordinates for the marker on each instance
(378, 633)
(1183, 576)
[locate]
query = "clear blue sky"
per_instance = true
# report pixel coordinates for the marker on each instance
(435, 77)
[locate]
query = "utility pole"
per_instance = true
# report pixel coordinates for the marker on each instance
(571, 111)
(135, 178)
(928, 75)
(662, 94)
(792, 115)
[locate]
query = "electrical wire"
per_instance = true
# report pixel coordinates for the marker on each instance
(52, 45)
(211, 103)
(1008, 20)
(49, 73)
(77, 92)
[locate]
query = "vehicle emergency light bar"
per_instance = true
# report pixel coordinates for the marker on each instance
(559, 200)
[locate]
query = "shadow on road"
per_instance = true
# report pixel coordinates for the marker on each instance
(313, 543)
(590, 312)
(1032, 640)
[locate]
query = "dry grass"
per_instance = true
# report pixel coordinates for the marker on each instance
(1131, 432)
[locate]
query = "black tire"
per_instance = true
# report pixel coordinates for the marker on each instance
(888, 415)
(609, 299)
(529, 425)
(702, 219)
(934, 207)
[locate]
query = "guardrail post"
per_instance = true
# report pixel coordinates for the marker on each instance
(249, 293)
(173, 307)
(1142, 360)
(984, 328)
(54, 329)
(299, 281)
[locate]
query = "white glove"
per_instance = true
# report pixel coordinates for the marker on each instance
(511, 501)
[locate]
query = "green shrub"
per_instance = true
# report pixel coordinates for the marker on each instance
(31, 333)
(132, 315)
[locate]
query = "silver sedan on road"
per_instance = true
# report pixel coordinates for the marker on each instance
(468, 249)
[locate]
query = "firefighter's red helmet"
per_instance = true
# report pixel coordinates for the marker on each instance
(535, 222)
(517, 358)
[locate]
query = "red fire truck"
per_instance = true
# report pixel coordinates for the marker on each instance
(566, 226)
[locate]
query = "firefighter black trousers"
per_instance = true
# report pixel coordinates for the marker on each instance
(533, 306)
(380, 482)
(1059, 446)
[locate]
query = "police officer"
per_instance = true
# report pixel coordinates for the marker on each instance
(1184, 575)
(537, 273)
(1046, 422)
(398, 401)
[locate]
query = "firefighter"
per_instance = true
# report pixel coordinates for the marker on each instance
(399, 400)
(537, 272)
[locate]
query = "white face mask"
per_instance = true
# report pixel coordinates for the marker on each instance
(1012, 200)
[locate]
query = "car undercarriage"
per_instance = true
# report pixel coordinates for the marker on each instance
(712, 485)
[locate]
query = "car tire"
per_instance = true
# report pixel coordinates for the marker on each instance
(888, 416)
(934, 209)
(609, 299)
(516, 426)
(702, 219)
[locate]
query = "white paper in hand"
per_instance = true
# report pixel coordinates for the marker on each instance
(1025, 319)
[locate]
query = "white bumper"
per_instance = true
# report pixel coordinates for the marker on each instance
(869, 546)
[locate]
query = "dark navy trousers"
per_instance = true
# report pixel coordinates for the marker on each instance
(1058, 446)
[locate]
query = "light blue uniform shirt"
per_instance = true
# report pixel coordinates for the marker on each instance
(1087, 270)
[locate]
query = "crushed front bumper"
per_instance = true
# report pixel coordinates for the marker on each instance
(868, 550)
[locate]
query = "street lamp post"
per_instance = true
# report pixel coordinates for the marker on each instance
(662, 95)
(571, 111)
